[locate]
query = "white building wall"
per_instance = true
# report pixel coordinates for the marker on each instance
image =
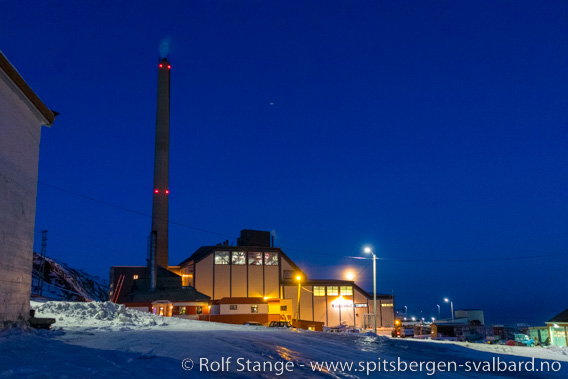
(20, 130)
(242, 309)
(238, 281)
(222, 282)
(271, 282)
(203, 276)
(255, 281)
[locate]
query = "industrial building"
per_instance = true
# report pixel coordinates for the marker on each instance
(248, 279)
(252, 281)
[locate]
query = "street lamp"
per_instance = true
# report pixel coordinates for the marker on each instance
(438, 305)
(368, 250)
(405, 310)
(299, 279)
(451, 305)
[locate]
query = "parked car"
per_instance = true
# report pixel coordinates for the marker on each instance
(523, 340)
(279, 324)
(253, 323)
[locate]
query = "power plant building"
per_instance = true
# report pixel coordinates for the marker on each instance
(236, 284)
(252, 281)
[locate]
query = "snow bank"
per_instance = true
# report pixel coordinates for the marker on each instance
(108, 316)
(100, 315)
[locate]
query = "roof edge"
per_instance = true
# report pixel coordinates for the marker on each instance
(13, 74)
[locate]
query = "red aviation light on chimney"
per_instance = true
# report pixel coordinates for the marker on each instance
(160, 65)
(156, 191)
(167, 192)
(169, 67)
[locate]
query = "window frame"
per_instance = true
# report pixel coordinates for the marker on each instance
(271, 254)
(236, 253)
(330, 292)
(219, 254)
(319, 291)
(250, 254)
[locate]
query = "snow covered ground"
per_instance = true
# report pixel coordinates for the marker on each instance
(103, 339)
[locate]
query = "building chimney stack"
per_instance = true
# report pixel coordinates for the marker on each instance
(161, 167)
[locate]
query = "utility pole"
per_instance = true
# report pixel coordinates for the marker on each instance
(39, 289)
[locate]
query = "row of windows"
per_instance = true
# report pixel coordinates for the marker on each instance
(198, 310)
(240, 258)
(254, 308)
(333, 290)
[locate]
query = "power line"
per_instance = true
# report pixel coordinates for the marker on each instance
(302, 250)
(131, 210)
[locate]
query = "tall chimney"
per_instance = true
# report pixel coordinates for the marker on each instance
(161, 166)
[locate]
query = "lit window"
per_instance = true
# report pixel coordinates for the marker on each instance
(346, 290)
(319, 290)
(254, 309)
(233, 307)
(332, 291)
(271, 259)
(199, 310)
(239, 257)
(283, 308)
(386, 305)
(221, 257)
(135, 277)
(255, 259)
(181, 310)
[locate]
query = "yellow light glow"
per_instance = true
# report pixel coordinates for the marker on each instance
(266, 298)
(298, 278)
(350, 276)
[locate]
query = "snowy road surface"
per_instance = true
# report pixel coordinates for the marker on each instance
(102, 339)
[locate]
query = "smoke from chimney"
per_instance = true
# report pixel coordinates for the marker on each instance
(165, 46)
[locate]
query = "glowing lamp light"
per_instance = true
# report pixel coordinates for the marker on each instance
(169, 67)
(350, 276)
(160, 65)
(167, 192)
(156, 191)
(298, 278)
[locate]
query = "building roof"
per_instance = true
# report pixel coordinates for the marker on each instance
(173, 295)
(47, 115)
(242, 300)
(199, 254)
(561, 317)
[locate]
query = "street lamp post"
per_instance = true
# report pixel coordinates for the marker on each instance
(368, 250)
(451, 306)
(299, 279)
(405, 311)
(438, 305)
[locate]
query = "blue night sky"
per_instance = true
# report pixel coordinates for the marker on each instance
(434, 130)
